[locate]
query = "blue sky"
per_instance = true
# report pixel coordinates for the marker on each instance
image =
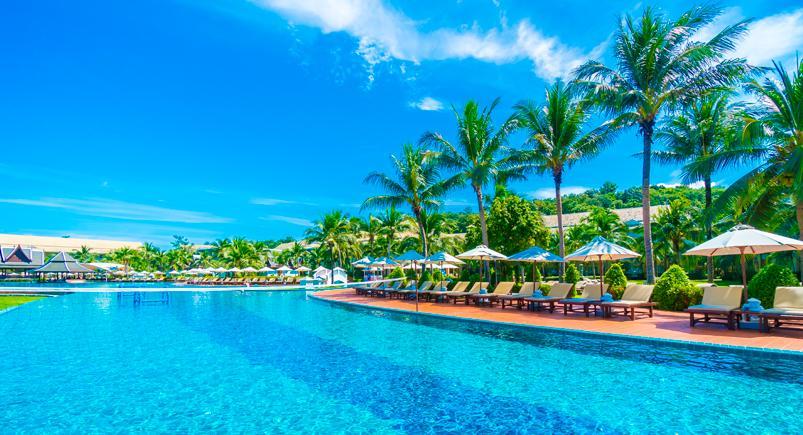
(214, 118)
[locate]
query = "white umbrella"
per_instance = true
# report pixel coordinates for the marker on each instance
(284, 269)
(234, 269)
(482, 253)
(362, 262)
(266, 269)
(600, 249)
(535, 255)
(744, 239)
(303, 269)
(249, 269)
(218, 269)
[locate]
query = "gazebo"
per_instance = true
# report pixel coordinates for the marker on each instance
(62, 263)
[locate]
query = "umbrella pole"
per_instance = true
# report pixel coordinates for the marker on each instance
(744, 275)
(601, 275)
(533, 277)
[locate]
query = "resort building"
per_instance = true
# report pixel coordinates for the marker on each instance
(17, 259)
(68, 244)
(629, 216)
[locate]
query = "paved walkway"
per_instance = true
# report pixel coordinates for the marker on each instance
(664, 324)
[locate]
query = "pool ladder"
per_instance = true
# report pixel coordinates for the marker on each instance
(139, 298)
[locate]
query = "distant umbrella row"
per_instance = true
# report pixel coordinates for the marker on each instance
(265, 270)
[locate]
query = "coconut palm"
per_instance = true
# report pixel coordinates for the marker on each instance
(84, 255)
(392, 223)
(775, 127)
(477, 156)
(557, 139)
(335, 234)
(241, 253)
(675, 226)
(124, 256)
(659, 66)
(704, 133)
(416, 183)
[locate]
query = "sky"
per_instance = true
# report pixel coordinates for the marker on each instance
(220, 118)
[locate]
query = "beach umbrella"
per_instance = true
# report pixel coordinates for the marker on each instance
(234, 270)
(742, 240)
(535, 255)
(266, 269)
(409, 256)
(249, 269)
(362, 262)
(599, 249)
(482, 253)
(284, 269)
(303, 269)
(173, 272)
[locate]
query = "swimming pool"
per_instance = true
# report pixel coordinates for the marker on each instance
(278, 361)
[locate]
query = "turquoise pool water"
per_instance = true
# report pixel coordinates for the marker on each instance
(280, 362)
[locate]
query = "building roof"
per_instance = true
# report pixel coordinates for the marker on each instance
(304, 244)
(62, 263)
(17, 257)
(630, 216)
(56, 244)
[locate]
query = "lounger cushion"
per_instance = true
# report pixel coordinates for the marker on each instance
(785, 311)
(707, 307)
(789, 297)
(637, 292)
(722, 296)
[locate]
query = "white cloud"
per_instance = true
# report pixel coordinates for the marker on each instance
(114, 209)
(289, 219)
(384, 33)
(427, 104)
(277, 201)
(549, 192)
(774, 37)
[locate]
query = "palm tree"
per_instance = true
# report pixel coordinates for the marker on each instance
(477, 155)
(391, 224)
(696, 139)
(123, 255)
(675, 225)
(84, 255)
(334, 232)
(440, 230)
(416, 184)
(370, 227)
(659, 66)
(775, 127)
(241, 253)
(556, 140)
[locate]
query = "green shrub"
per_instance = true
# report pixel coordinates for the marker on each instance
(545, 288)
(572, 274)
(396, 273)
(763, 284)
(616, 280)
(674, 291)
(537, 275)
(426, 276)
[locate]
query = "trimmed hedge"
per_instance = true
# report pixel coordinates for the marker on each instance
(616, 280)
(674, 292)
(572, 274)
(763, 284)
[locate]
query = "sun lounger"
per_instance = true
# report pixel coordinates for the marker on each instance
(525, 291)
(590, 298)
(383, 291)
(455, 296)
(393, 292)
(425, 286)
(719, 303)
(787, 309)
(362, 288)
(634, 296)
(502, 289)
(439, 294)
(557, 293)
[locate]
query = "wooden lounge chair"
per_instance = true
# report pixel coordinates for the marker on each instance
(502, 289)
(383, 291)
(455, 296)
(635, 296)
(425, 286)
(590, 298)
(362, 288)
(525, 291)
(719, 303)
(439, 294)
(787, 309)
(393, 292)
(557, 293)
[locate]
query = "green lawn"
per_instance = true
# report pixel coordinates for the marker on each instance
(12, 301)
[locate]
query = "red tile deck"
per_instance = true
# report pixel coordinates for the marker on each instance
(664, 324)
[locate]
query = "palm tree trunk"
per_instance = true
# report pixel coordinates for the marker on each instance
(422, 232)
(649, 262)
(557, 176)
(709, 262)
(481, 206)
(799, 215)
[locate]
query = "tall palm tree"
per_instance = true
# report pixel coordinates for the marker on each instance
(416, 183)
(84, 255)
(557, 139)
(335, 233)
(674, 225)
(696, 139)
(775, 127)
(660, 65)
(241, 253)
(477, 154)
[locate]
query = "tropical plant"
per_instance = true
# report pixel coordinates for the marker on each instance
(763, 284)
(337, 240)
(392, 224)
(572, 275)
(674, 291)
(616, 280)
(557, 139)
(774, 126)
(416, 184)
(514, 225)
(84, 255)
(603, 222)
(477, 154)
(675, 225)
(660, 65)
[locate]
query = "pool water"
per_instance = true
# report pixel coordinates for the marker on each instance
(281, 362)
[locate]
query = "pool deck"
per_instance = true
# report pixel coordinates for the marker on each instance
(663, 325)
